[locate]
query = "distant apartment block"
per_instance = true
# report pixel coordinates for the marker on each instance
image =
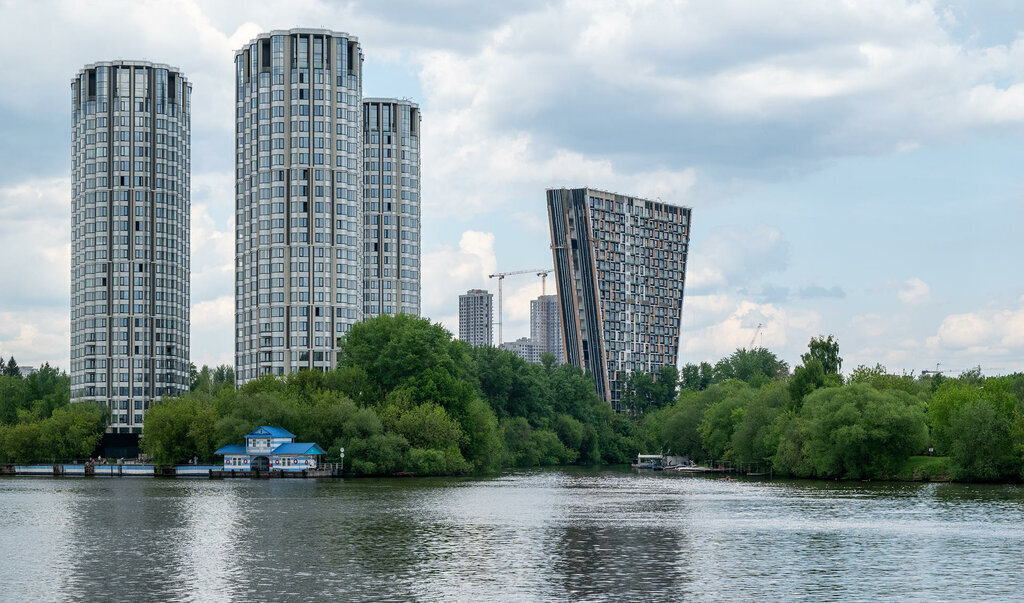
(620, 266)
(476, 317)
(391, 207)
(524, 347)
(545, 327)
(130, 170)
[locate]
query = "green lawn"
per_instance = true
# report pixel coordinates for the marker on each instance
(924, 468)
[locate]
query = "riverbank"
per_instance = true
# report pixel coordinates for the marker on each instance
(171, 471)
(917, 469)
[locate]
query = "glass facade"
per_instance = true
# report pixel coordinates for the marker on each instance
(391, 207)
(298, 239)
(130, 237)
(620, 265)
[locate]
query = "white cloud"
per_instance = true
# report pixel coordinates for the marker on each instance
(734, 321)
(212, 331)
(914, 292)
(35, 227)
(449, 272)
(994, 330)
(734, 257)
(213, 248)
(36, 336)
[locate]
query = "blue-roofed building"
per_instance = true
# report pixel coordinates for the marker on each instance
(271, 448)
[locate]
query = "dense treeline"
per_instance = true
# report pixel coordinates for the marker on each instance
(815, 424)
(406, 397)
(37, 420)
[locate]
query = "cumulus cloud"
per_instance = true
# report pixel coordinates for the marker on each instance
(716, 325)
(35, 227)
(913, 291)
(213, 248)
(448, 272)
(998, 330)
(36, 336)
(213, 322)
(733, 257)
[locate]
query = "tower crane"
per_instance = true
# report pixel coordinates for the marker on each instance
(541, 272)
(754, 338)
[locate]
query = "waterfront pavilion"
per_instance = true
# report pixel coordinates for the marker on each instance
(271, 448)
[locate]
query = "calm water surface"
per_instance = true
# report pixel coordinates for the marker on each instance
(541, 535)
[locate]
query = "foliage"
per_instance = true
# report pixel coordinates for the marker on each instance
(806, 379)
(644, 392)
(38, 422)
(826, 351)
(11, 368)
(857, 431)
(755, 366)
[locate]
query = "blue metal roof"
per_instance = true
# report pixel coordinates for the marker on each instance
(231, 449)
(299, 448)
(274, 432)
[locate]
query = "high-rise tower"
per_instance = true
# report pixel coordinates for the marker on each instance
(545, 327)
(620, 266)
(476, 316)
(298, 244)
(129, 237)
(391, 207)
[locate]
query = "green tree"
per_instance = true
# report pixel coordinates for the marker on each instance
(857, 431)
(178, 429)
(644, 392)
(806, 379)
(979, 442)
(755, 366)
(11, 368)
(824, 350)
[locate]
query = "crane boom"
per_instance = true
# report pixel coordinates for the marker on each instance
(541, 272)
(754, 338)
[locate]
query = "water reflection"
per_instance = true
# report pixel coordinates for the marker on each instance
(554, 535)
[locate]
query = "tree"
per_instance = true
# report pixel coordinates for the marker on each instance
(805, 379)
(697, 377)
(11, 368)
(979, 442)
(178, 429)
(224, 375)
(644, 392)
(826, 351)
(857, 431)
(756, 367)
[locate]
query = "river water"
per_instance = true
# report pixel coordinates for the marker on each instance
(561, 534)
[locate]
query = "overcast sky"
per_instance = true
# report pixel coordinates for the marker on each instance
(854, 167)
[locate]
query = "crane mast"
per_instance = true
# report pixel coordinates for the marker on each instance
(541, 272)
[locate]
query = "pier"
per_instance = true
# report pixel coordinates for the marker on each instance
(327, 470)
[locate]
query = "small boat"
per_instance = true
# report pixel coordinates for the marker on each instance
(649, 461)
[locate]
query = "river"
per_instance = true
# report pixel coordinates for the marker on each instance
(579, 534)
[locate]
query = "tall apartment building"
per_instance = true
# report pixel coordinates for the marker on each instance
(129, 237)
(620, 266)
(524, 347)
(298, 243)
(476, 317)
(391, 207)
(545, 326)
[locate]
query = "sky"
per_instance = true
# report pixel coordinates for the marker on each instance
(854, 167)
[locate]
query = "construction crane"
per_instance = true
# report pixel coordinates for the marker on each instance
(754, 338)
(541, 272)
